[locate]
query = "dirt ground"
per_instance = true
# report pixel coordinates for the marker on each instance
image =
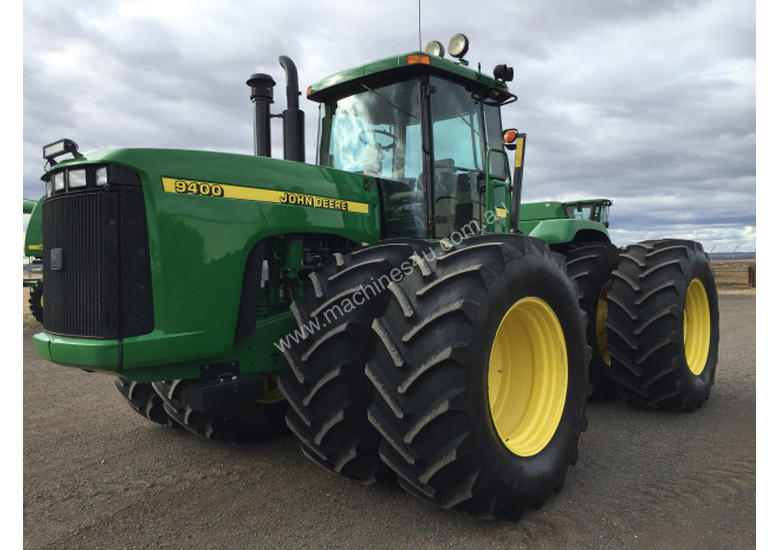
(98, 475)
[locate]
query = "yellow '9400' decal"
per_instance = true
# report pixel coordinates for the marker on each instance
(207, 189)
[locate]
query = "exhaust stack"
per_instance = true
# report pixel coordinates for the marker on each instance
(294, 143)
(262, 96)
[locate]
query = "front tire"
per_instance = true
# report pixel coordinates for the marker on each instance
(481, 376)
(663, 325)
(325, 384)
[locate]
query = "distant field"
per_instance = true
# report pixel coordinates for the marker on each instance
(733, 255)
(734, 273)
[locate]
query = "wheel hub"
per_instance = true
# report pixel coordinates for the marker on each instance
(696, 326)
(528, 376)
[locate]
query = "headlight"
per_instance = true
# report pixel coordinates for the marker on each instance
(60, 147)
(77, 178)
(458, 46)
(54, 149)
(101, 176)
(59, 181)
(434, 47)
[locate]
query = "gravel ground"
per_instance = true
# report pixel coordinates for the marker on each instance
(97, 475)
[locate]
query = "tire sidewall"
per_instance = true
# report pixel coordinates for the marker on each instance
(698, 268)
(543, 278)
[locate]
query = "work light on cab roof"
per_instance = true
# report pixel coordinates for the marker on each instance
(457, 47)
(434, 47)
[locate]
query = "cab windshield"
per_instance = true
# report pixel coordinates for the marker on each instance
(376, 132)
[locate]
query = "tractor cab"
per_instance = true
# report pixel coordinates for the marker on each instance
(596, 210)
(428, 131)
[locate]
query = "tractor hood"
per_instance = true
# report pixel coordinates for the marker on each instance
(204, 212)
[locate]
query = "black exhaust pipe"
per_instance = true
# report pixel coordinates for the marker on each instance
(294, 143)
(262, 96)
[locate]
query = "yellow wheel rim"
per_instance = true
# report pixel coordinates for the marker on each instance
(271, 393)
(528, 374)
(601, 323)
(696, 326)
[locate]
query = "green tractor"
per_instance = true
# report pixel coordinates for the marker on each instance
(33, 251)
(548, 220)
(392, 305)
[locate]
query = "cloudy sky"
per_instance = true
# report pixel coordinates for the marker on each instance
(650, 103)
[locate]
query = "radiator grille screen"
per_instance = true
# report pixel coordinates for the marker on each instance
(97, 280)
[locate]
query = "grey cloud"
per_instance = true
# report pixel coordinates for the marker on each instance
(649, 103)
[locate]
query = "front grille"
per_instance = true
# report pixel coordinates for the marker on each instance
(97, 279)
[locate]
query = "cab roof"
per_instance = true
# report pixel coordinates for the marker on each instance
(405, 65)
(584, 202)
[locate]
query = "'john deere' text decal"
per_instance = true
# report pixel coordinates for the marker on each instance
(207, 189)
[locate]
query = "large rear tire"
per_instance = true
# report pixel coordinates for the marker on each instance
(325, 384)
(481, 376)
(663, 325)
(36, 302)
(591, 265)
(142, 399)
(246, 423)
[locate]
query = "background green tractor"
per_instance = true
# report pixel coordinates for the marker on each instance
(33, 251)
(550, 220)
(391, 304)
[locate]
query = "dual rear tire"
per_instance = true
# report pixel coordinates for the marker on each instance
(662, 325)
(429, 378)
(142, 399)
(652, 321)
(245, 423)
(165, 403)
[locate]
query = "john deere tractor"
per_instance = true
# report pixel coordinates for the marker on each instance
(392, 304)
